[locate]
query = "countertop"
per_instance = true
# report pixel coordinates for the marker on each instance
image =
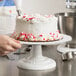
(63, 68)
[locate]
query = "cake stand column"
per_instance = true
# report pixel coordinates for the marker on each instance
(36, 51)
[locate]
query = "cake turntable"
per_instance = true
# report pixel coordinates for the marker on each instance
(36, 61)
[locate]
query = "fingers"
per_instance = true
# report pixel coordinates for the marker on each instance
(15, 44)
(2, 53)
(17, 41)
(8, 45)
(9, 48)
(6, 50)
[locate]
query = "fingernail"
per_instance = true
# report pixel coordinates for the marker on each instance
(18, 41)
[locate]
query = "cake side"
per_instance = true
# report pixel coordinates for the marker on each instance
(37, 28)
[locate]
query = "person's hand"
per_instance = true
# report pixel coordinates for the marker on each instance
(8, 44)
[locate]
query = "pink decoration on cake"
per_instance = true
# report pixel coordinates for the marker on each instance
(24, 13)
(18, 38)
(39, 28)
(24, 16)
(31, 18)
(43, 38)
(31, 37)
(34, 37)
(50, 33)
(53, 33)
(13, 35)
(58, 31)
(22, 33)
(27, 18)
(40, 35)
(25, 37)
(54, 39)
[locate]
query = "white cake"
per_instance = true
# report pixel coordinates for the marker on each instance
(37, 28)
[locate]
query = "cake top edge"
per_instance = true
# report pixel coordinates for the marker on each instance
(37, 17)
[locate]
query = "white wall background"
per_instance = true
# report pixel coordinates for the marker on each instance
(44, 6)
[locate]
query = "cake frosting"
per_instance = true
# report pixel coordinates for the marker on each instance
(37, 28)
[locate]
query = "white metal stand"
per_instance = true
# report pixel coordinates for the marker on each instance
(37, 61)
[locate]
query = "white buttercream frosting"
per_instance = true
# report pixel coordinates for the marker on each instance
(37, 18)
(38, 27)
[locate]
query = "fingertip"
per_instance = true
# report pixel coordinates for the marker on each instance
(17, 41)
(15, 44)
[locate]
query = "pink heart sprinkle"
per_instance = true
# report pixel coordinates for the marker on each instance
(54, 39)
(50, 33)
(18, 38)
(30, 18)
(24, 13)
(57, 35)
(27, 20)
(31, 34)
(34, 37)
(52, 36)
(53, 33)
(40, 35)
(24, 16)
(58, 31)
(43, 38)
(24, 38)
(25, 34)
(22, 33)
